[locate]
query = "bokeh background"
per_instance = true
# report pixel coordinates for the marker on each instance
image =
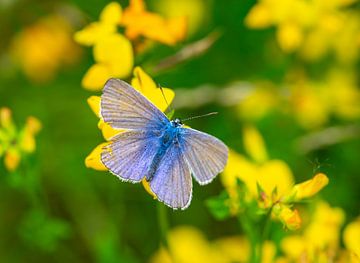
(289, 69)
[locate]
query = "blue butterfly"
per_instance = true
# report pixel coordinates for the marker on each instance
(154, 147)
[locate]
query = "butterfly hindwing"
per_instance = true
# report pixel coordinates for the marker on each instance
(172, 182)
(125, 108)
(205, 154)
(129, 154)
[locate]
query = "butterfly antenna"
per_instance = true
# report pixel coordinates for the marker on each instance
(200, 116)
(163, 94)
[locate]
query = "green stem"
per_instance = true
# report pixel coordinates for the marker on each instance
(250, 233)
(265, 233)
(163, 223)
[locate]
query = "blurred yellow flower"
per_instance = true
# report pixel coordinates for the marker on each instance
(268, 174)
(139, 22)
(42, 48)
(196, 12)
(143, 83)
(187, 244)
(312, 26)
(15, 143)
(352, 237)
(320, 239)
(113, 53)
(263, 98)
(315, 102)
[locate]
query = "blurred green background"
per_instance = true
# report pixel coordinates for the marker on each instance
(54, 209)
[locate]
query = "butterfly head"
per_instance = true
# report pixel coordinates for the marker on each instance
(177, 123)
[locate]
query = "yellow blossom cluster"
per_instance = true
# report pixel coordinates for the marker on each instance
(318, 242)
(312, 27)
(114, 52)
(271, 182)
(189, 245)
(312, 103)
(16, 143)
(42, 48)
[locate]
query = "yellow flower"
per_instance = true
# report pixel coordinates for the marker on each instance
(113, 53)
(147, 87)
(16, 143)
(261, 100)
(268, 174)
(187, 244)
(196, 12)
(320, 239)
(290, 218)
(107, 25)
(42, 48)
(310, 187)
(139, 22)
(315, 102)
(270, 182)
(352, 237)
(313, 27)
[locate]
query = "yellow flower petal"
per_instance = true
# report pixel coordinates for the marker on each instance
(96, 77)
(144, 84)
(275, 174)
(93, 33)
(352, 237)
(310, 187)
(120, 59)
(93, 160)
(254, 144)
(27, 142)
(111, 14)
(289, 36)
(12, 160)
(147, 188)
(94, 103)
(107, 131)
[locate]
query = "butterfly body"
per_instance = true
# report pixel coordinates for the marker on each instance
(153, 147)
(170, 135)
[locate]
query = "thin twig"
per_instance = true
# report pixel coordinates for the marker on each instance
(190, 51)
(326, 137)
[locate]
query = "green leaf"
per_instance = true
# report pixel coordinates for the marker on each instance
(218, 206)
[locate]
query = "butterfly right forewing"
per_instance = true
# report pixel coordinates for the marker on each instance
(205, 155)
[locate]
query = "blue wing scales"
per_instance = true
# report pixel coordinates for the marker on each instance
(130, 154)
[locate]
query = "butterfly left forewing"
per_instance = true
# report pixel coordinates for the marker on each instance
(205, 155)
(123, 107)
